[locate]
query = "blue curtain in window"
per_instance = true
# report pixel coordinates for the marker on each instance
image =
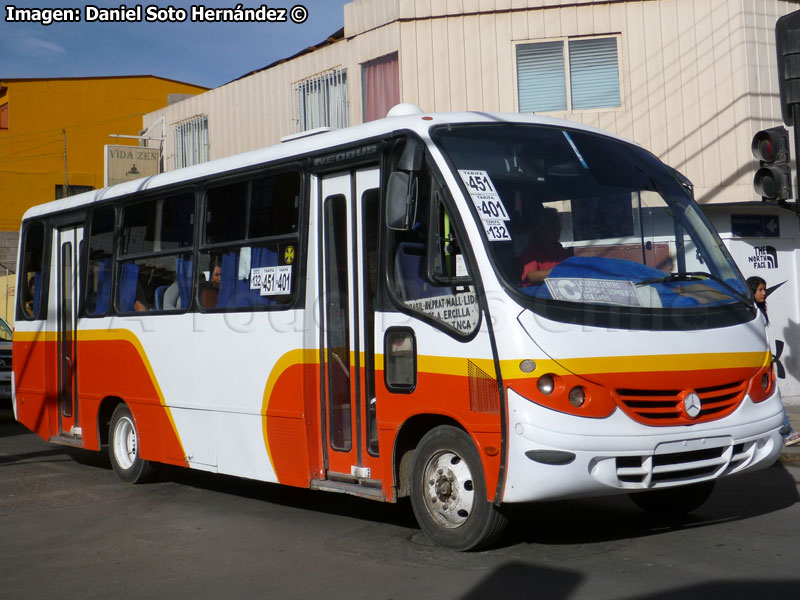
(129, 278)
(259, 257)
(594, 73)
(103, 294)
(183, 273)
(541, 80)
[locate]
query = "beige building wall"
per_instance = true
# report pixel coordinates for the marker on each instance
(7, 296)
(698, 77)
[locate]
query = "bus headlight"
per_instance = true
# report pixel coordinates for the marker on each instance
(577, 396)
(566, 393)
(546, 384)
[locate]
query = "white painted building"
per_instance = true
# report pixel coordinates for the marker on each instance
(691, 80)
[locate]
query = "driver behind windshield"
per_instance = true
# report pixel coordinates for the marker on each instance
(545, 252)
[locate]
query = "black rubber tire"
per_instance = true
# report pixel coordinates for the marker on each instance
(476, 523)
(674, 501)
(123, 449)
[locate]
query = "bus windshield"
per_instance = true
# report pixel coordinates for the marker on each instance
(576, 218)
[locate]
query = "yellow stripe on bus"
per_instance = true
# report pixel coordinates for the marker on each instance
(639, 364)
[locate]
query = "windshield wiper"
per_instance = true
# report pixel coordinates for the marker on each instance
(696, 276)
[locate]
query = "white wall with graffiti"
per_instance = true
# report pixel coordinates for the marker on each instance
(764, 240)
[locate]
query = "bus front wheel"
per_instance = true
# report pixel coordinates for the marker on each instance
(448, 492)
(123, 448)
(674, 501)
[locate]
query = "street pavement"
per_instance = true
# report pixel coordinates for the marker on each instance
(791, 454)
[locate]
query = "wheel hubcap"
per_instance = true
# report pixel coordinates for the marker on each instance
(125, 443)
(449, 490)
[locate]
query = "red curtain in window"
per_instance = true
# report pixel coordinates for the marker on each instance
(381, 81)
(4, 116)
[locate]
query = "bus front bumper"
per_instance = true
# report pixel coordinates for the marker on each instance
(553, 455)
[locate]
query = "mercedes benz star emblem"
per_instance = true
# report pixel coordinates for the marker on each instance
(692, 405)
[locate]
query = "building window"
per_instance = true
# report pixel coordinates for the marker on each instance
(380, 85)
(191, 142)
(575, 74)
(73, 190)
(322, 101)
(4, 116)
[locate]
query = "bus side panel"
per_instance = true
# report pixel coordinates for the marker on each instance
(36, 392)
(119, 368)
(291, 425)
(443, 390)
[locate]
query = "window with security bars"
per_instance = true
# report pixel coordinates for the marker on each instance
(191, 142)
(322, 101)
(575, 74)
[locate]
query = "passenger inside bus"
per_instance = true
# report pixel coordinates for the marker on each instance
(546, 251)
(209, 290)
(32, 301)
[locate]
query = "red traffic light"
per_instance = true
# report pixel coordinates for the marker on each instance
(771, 145)
(773, 180)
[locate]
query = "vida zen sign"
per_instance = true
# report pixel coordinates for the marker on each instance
(125, 163)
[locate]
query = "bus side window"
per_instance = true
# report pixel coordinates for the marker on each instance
(250, 244)
(98, 273)
(32, 303)
(154, 273)
(418, 276)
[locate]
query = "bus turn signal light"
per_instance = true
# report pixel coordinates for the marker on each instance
(762, 384)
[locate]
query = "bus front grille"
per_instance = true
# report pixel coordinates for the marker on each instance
(665, 407)
(660, 470)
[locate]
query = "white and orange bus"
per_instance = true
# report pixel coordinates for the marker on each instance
(470, 309)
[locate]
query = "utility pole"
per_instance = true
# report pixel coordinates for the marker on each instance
(66, 175)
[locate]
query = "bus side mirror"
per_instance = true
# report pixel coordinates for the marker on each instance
(401, 201)
(401, 192)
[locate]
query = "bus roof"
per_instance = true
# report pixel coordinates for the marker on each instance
(418, 122)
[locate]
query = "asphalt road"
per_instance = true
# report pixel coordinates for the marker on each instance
(70, 529)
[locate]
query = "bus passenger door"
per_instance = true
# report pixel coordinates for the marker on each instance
(349, 205)
(65, 251)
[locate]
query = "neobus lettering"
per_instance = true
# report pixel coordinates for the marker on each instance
(346, 155)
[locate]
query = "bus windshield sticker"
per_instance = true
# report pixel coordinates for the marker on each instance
(272, 281)
(244, 263)
(490, 207)
(595, 291)
(496, 230)
(487, 201)
(460, 311)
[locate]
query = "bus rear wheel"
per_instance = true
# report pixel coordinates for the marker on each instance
(674, 501)
(123, 448)
(448, 492)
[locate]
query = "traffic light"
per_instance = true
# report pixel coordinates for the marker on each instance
(773, 180)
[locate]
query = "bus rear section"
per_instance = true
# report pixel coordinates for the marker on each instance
(468, 310)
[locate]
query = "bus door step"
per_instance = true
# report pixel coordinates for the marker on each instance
(67, 440)
(345, 484)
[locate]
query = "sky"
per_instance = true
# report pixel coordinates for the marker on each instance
(209, 54)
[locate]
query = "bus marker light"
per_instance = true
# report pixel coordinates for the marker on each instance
(527, 366)
(491, 451)
(577, 396)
